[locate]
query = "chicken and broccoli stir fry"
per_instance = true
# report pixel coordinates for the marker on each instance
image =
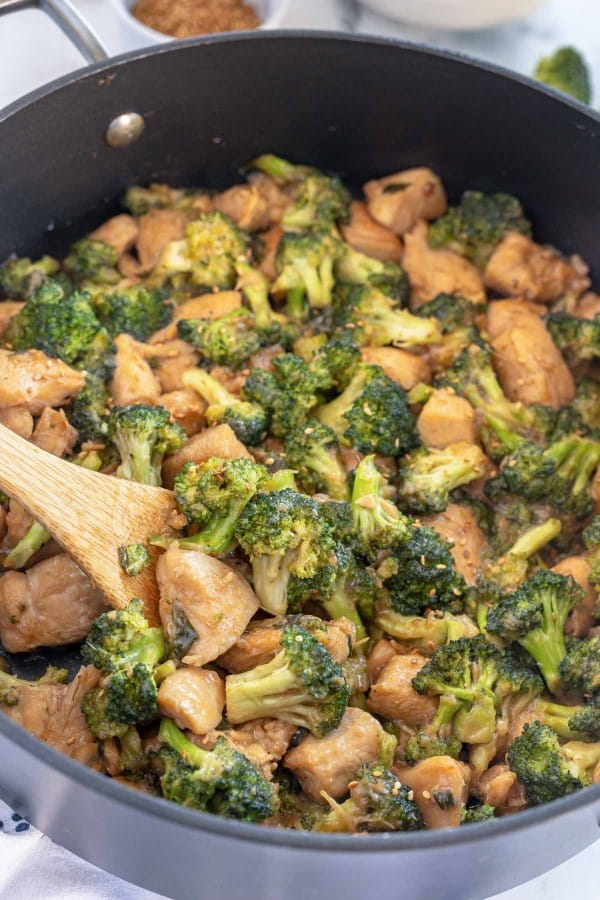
(380, 419)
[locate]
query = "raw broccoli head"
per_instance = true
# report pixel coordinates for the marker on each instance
(228, 340)
(377, 521)
(305, 269)
(477, 224)
(354, 267)
(534, 615)
(134, 310)
(580, 668)
(319, 199)
(221, 781)
(429, 476)
(88, 410)
(376, 319)
(143, 436)
(419, 574)
(288, 394)
(302, 685)
(248, 420)
(378, 802)
(372, 414)
(20, 277)
(214, 494)
(93, 261)
(313, 451)
(283, 534)
(566, 70)
(536, 759)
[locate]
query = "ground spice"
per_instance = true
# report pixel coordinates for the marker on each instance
(185, 18)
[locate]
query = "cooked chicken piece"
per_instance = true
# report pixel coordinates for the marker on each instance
(262, 741)
(263, 358)
(379, 657)
(276, 198)
(329, 763)
(406, 369)
(8, 309)
(260, 643)
(587, 307)
(582, 617)
(18, 523)
(496, 786)
(18, 419)
(218, 441)
(233, 381)
(433, 272)
(246, 205)
(519, 267)
(50, 604)
(170, 368)
(504, 315)
(400, 200)
(133, 380)
(367, 236)
(270, 242)
(530, 367)
(187, 409)
(193, 698)
(458, 525)
(157, 228)
(447, 419)
(206, 306)
(437, 777)
(120, 232)
(393, 696)
(216, 601)
(52, 712)
(54, 433)
(34, 380)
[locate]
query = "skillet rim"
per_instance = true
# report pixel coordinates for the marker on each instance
(229, 828)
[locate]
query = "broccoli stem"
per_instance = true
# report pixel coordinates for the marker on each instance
(29, 544)
(264, 691)
(536, 538)
(169, 734)
(295, 304)
(548, 649)
(338, 605)
(278, 168)
(208, 387)
(271, 577)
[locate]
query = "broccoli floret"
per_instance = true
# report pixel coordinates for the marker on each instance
(207, 255)
(302, 685)
(319, 199)
(248, 420)
(585, 720)
(140, 200)
(378, 802)
(221, 780)
(134, 558)
(228, 340)
(33, 539)
(456, 317)
(534, 615)
(11, 685)
(423, 746)
(376, 520)
(283, 534)
(371, 414)
(288, 394)
(584, 411)
(478, 812)
(280, 169)
(569, 722)
(93, 261)
(375, 319)
(21, 277)
(143, 436)
(335, 361)
(119, 638)
(580, 669)
(134, 310)
(566, 70)
(255, 286)
(429, 476)
(214, 494)
(508, 571)
(426, 633)
(88, 410)
(538, 762)
(419, 575)
(353, 267)
(313, 451)
(478, 224)
(305, 269)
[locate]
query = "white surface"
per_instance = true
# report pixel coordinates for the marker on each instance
(32, 52)
(456, 15)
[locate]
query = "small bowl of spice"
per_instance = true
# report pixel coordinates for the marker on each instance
(154, 21)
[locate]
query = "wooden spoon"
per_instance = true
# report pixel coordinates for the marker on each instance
(89, 514)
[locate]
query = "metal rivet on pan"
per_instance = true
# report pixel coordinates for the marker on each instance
(125, 129)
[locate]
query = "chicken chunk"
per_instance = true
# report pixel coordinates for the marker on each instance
(52, 712)
(18, 419)
(458, 525)
(263, 741)
(157, 228)
(50, 604)
(187, 408)
(54, 433)
(447, 419)
(400, 200)
(274, 195)
(587, 307)
(270, 242)
(216, 602)
(206, 306)
(218, 441)
(260, 643)
(406, 369)
(530, 367)
(496, 786)
(193, 698)
(133, 380)
(432, 272)
(519, 267)
(18, 523)
(245, 204)
(33, 381)
(393, 696)
(433, 781)
(8, 309)
(582, 617)
(329, 763)
(120, 232)
(379, 657)
(504, 315)
(367, 236)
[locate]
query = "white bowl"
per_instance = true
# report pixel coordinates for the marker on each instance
(270, 13)
(453, 15)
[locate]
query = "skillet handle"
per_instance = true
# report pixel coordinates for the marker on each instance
(64, 14)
